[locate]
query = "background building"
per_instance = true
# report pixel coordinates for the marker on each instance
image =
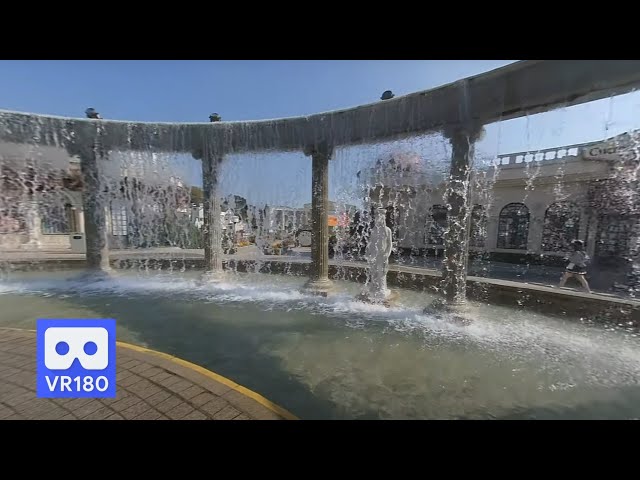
(527, 207)
(146, 202)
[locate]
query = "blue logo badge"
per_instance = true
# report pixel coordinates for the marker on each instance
(76, 358)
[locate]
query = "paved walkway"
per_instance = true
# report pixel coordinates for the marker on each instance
(150, 386)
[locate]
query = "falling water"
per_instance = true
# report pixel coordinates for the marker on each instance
(149, 184)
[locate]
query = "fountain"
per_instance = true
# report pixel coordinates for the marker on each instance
(300, 335)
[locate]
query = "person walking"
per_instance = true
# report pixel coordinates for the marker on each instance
(577, 267)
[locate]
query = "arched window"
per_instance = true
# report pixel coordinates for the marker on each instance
(513, 226)
(11, 219)
(561, 226)
(616, 235)
(55, 217)
(478, 233)
(437, 225)
(119, 220)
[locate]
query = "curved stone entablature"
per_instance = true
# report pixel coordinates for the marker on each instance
(522, 88)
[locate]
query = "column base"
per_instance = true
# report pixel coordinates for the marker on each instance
(215, 276)
(93, 275)
(102, 268)
(459, 313)
(321, 287)
(388, 300)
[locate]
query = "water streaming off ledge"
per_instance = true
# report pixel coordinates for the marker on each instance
(336, 357)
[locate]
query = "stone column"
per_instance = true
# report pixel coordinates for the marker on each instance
(319, 283)
(491, 242)
(212, 227)
(592, 234)
(34, 224)
(80, 219)
(537, 212)
(95, 218)
(456, 238)
(87, 144)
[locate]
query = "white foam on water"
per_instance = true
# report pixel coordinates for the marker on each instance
(607, 357)
(242, 291)
(521, 336)
(11, 288)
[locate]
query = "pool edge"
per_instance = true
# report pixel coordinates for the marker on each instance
(277, 409)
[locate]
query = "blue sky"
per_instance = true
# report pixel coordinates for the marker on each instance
(184, 91)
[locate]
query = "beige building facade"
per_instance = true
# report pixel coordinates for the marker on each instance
(525, 205)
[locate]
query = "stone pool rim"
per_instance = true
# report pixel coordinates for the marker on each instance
(572, 305)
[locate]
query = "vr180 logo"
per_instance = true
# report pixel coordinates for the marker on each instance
(76, 358)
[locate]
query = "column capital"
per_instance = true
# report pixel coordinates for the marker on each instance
(78, 149)
(200, 153)
(83, 138)
(470, 131)
(321, 148)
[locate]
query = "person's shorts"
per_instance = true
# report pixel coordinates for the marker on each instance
(577, 270)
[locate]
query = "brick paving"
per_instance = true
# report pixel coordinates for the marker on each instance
(149, 387)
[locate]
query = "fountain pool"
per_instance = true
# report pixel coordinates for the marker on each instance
(336, 358)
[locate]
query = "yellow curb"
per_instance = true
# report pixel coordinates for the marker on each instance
(218, 378)
(207, 373)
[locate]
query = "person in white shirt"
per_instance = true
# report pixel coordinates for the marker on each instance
(577, 267)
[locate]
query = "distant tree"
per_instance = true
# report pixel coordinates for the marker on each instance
(197, 195)
(262, 214)
(240, 202)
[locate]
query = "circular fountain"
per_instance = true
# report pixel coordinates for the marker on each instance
(311, 346)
